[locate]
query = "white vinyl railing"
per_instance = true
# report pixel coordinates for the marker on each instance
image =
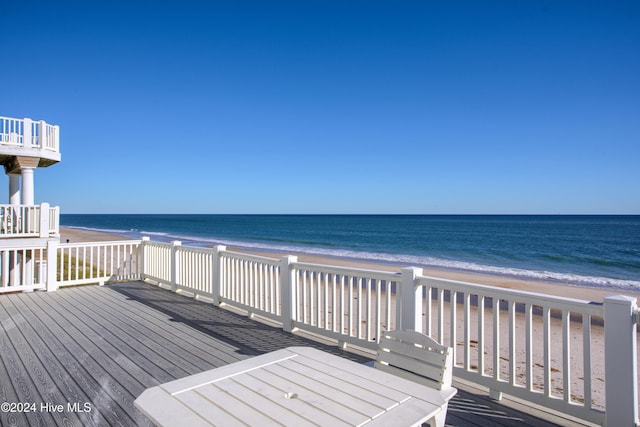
(513, 342)
(54, 220)
(251, 283)
(83, 263)
(519, 343)
(158, 263)
(22, 269)
(29, 220)
(350, 305)
(28, 133)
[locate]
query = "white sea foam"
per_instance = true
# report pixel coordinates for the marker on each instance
(153, 233)
(426, 261)
(100, 230)
(388, 258)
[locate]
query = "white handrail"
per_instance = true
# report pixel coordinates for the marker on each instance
(29, 220)
(28, 133)
(83, 263)
(518, 342)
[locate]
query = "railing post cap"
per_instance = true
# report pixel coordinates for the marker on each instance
(415, 271)
(176, 243)
(146, 238)
(620, 299)
(290, 258)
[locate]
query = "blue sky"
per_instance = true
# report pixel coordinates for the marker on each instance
(331, 106)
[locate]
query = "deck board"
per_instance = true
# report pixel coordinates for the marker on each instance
(89, 381)
(106, 345)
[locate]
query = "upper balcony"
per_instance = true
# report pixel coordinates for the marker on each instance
(26, 137)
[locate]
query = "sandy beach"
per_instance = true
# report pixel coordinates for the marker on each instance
(549, 288)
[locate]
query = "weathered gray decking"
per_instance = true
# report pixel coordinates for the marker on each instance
(105, 345)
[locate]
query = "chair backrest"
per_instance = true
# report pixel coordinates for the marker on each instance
(415, 356)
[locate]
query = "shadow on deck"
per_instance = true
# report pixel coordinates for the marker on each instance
(81, 356)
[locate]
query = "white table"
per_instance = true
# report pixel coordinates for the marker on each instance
(296, 386)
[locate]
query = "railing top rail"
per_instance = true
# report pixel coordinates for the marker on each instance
(105, 243)
(577, 305)
(152, 243)
(22, 119)
(249, 257)
(348, 271)
(195, 249)
(8, 205)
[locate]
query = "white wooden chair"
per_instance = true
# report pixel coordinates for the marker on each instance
(418, 357)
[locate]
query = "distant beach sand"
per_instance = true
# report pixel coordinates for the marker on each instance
(549, 288)
(576, 292)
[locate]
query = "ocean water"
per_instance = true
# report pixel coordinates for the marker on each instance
(596, 251)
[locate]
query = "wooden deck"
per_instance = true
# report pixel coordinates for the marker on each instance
(80, 356)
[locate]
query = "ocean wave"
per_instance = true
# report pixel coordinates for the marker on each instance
(563, 278)
(153, 233)
(100, 230)
(427, 261)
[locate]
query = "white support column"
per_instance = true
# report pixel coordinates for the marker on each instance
(620, 362)
(409, 311)
(52, 261)
(14, 189)
(142, 265)
(27, 185)
(5, 269)
(217, 273)
(14, 268)
(287, 291)
(175, 264)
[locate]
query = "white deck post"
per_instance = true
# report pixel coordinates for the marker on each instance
(44, 220)
(175, 264)
(26, 133)
(56, 140)
(620, 346)
(143, 260)
(217, 272)
(287, 291)
(52, 265)
(409, 311)
(43, 133)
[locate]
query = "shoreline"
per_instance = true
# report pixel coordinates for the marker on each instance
(541, 287)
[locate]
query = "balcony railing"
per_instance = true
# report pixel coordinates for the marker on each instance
(29, 220)
(28, 133)
(513, 342)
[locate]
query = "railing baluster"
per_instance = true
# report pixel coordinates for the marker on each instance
(547, 350)
(481, 332)
(528, 309)
(334, 303)
(496, 339)
(512, 342)
(467, 330)
(441, 315)
(566, 355)
(586, 357)
(368, 311)
(453, 306)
